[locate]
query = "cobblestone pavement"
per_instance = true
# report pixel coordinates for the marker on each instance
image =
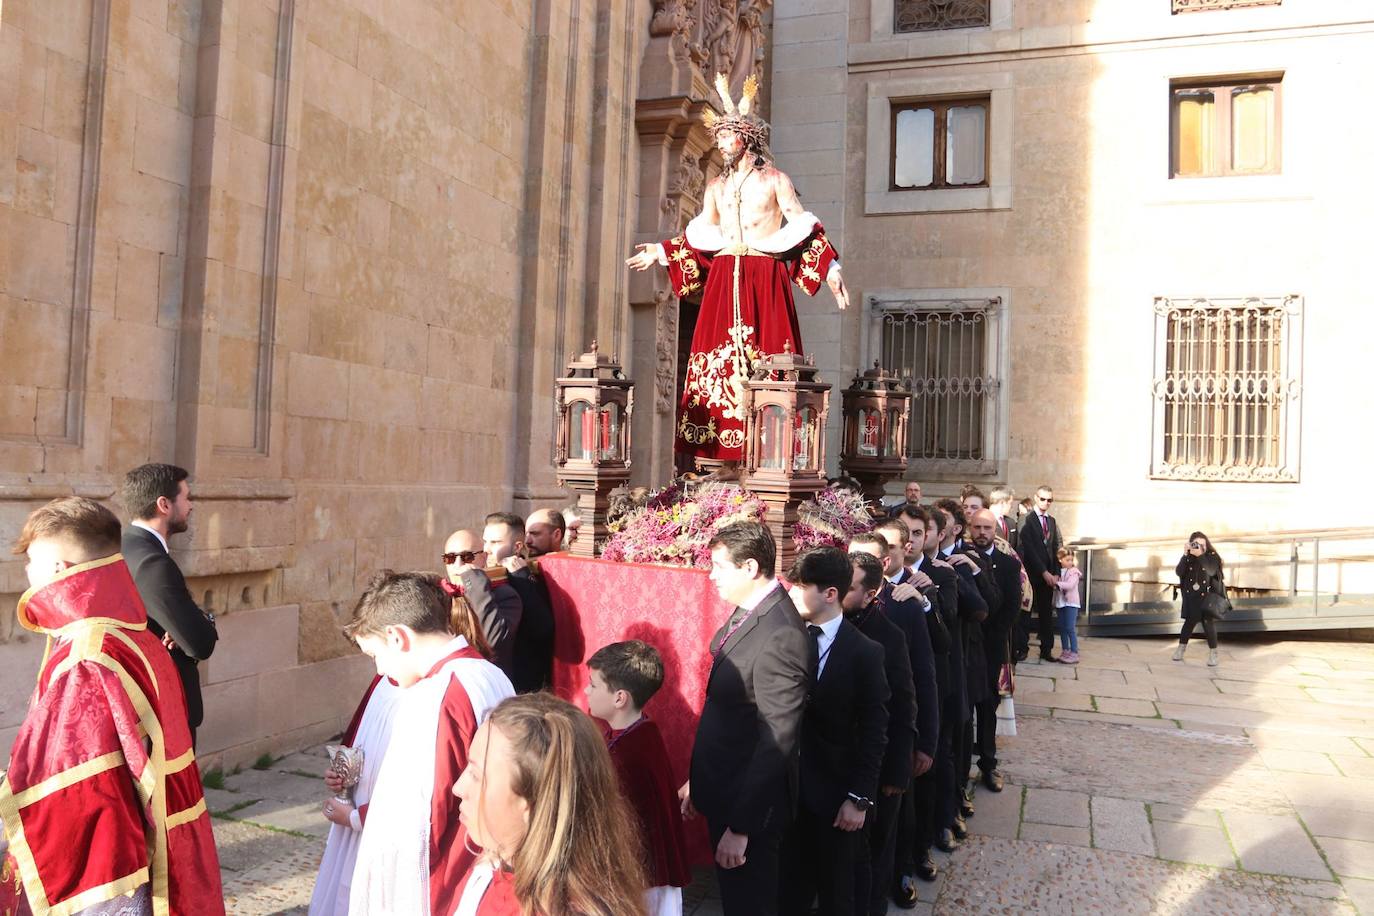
(1135, 784)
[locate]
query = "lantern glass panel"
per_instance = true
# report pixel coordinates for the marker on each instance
(581, 431)
(869, 423)
(894, 433)
(772, 437)
(804, 440)
(610, 433)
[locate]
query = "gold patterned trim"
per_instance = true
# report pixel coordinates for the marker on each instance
(186, 816)
(182, 762)
(147, 665)
(69, 777)
(120, 887)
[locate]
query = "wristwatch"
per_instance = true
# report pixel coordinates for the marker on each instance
(860, 802)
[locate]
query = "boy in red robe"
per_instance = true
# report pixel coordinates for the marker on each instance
(102, 805)
(622, 677)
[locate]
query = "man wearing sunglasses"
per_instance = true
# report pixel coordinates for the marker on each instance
(496, 604)
(1039, 542)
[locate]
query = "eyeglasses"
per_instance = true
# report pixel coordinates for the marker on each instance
(466, 556)
(1045, 499)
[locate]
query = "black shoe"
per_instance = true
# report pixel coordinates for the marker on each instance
(947, 841)
(993, 780)
(1022, 655)
(904, 894)
(960, 829)
(926, 870)
(965, 808)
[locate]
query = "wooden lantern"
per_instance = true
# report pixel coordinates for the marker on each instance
(592, 456)
(876, 408)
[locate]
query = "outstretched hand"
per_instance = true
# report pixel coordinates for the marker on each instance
(836, 283)
(646, 257)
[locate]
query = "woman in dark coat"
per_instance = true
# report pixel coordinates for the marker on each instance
(1200, 573)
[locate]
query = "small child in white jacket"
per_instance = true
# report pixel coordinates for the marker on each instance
(1067, 603)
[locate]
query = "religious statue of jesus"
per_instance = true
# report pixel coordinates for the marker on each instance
(744, 258)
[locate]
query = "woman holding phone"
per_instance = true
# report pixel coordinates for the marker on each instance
(1201, 579)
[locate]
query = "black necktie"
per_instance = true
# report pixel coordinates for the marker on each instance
(815, 632)
(730, 626)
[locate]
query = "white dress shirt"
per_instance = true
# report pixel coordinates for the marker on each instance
(825, 641)
(154, 532)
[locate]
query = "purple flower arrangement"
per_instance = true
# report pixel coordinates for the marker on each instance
(675, 525)
(831, 519)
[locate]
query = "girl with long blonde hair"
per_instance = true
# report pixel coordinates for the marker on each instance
(540, 797)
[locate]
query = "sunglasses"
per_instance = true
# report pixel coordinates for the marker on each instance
(466, 556)
(1045, 499)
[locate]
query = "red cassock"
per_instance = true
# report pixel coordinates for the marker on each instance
(103, 798)
(747, 313)
(646, 778)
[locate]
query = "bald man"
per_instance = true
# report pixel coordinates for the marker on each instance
(544, 532)
(497, 605)
(1006, 573)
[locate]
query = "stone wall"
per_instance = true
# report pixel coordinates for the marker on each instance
(1082, 228)
(326, 254)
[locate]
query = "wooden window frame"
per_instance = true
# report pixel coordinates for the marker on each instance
(1221, 90)
(940, 106)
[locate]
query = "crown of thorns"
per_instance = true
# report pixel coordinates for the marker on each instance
(752, 129)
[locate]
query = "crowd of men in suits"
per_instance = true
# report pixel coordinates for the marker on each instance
(845, 714)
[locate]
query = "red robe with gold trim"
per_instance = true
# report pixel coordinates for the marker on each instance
(747, 313)
(103, 798)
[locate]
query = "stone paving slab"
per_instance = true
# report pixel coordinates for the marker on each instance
(995, 876)
(297, 817)
(997, 814)
(1102, 717)
(1126, 707)
(1298, 761)
(1055, 833)
(1201, 817)
(219, 800)
(1361, 893)
(1337, 822)
(1303, 741)
(1055, 700)
(1124, 691)
(1324, 791)
(1354, 858)
(1357, 767)
(1121, 824)
(1193, 843)
(243, 847)
(1056, 806)
(1274, 845)
(271, 783)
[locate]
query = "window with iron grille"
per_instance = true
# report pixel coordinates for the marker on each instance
(1225, 128)
(1227, 388)
(951, 351)
(1194, 6)
(932, 15)
(941, 143)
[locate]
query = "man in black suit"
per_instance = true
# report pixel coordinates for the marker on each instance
(843, 737)
(911, 496)
(493, 599)
(743, 774)
(864, 607)
(1039, 543)
(1006, 572)
(158, 499)
(1003, 506)
(503, 539)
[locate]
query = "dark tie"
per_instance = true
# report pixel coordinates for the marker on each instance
(1045, 527)
(815, 632)
(731, 625)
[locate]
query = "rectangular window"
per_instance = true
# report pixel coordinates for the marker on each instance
(940, 144)
(1194, 6)
(950, 350)
(1226, 388)
(932, 15)
(1224, 128)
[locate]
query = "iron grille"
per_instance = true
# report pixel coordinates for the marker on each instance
(932, 15)
(948, 350)
(1194, 6)
(1226, 388)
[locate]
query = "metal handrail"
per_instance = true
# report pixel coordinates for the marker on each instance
(1293, 538)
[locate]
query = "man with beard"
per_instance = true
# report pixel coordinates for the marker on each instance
(158, 499)
(1006, 572)
(743, 258)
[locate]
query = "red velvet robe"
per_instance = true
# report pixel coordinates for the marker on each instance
(103, 797)
(646, 777)
(746, 313)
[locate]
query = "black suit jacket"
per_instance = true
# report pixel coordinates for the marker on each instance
(1039, 552)
(910, 618)
(498, 608)
(532, 660)
(948, 582)
(744, 756)
(901, 704)
(1005, 570)
(1006, 526)
(171, 611)
(844, 733)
